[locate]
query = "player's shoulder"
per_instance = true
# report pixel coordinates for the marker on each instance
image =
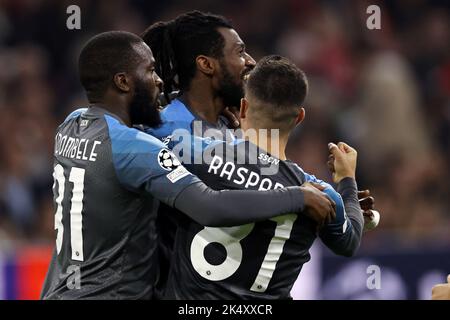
(70, 119)
(74, 114)
(292, 170)
(328, 187)
(177, 111)
(307, 176)
(175, 116)
(130, 140)
(312, 178)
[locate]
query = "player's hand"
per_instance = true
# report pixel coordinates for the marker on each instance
(341, 161)
(441, 291)
(366, 201)
(232, 114)
(367, 204)
(318, 206)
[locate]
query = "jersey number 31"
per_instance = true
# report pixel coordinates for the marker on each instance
(76, 177)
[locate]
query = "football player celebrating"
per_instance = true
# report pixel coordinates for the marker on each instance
(262, 260)
(110, 177)
(202, 56)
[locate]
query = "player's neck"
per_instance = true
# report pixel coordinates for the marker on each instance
(203, 103)
(273, 144)
(114, 108)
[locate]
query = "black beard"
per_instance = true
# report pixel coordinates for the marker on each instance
(143, 109)
(230, 92)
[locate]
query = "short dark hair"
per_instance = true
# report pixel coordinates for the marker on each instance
(103, 56)
(176, 44)
(279, 88)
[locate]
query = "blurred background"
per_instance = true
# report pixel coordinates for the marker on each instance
(386, 92)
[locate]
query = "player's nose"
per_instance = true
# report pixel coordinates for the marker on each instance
(159, 82)
(249, 61)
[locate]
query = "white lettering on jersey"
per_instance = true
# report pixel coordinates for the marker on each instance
(177, 174)
(245, 177)
(265, 158)
(75, 148)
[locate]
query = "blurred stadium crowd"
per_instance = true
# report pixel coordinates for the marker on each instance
(387, 92)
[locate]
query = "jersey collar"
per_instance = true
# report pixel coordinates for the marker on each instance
(96, 111)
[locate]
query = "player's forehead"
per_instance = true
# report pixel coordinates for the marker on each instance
(232, 39)
(145, 53)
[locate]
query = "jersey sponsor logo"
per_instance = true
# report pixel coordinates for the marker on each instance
(266, 159)
(167, 140)
(167, 160)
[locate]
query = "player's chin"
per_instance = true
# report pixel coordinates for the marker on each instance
(157, 104)
(244, 78)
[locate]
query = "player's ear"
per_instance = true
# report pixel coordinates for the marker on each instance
(243, 109)
(205, 64)
(300, 116)
(122, 82)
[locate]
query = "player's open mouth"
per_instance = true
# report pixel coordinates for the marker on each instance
(246, 76)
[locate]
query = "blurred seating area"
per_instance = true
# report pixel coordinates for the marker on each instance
(386, 92)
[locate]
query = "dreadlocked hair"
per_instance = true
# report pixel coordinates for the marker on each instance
(177, 43)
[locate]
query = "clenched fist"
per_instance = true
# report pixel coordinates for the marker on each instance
(341, 161)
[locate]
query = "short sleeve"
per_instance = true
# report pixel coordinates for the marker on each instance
(144, 164)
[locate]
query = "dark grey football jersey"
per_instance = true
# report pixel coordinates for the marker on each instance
(108, 180)
(179, 116)
(254, 261)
